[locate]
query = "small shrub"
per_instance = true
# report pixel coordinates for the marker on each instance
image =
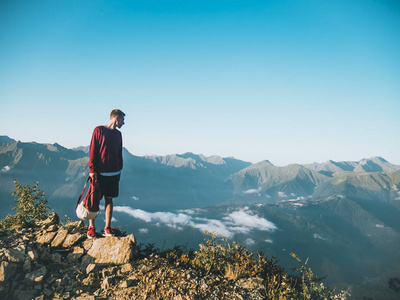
(234, 261)
(309, 286)
(31, 206)
(178, 254)
(141, 250)
(394, 284)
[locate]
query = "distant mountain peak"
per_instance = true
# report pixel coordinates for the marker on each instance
(264, 162)
(6, 140)
(378, 159)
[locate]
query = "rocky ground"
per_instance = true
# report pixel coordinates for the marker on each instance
(50, 261)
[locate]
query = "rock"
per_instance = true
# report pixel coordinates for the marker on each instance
(106, 283)
(16, 254)
(76, 254)
(52, 219)
(106, 272)
(87, 244)
(251, 283)
(59, 238)
(88, 282)
(36, 276)
(46, 238)
(27, 264)
(52, 228)
(76, 224)
(57, 266)
(32, 254)
(73, 239)
(7, 270)
(126, 283)
(56, 257)
(126, 268)
(85, 297)
(111, 250)
(90, 268)
(47, 292)
(25, 294)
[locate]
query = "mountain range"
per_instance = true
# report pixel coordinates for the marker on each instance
(345, 216)
(189, 180)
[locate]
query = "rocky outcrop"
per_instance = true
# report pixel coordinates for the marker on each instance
(53, 261)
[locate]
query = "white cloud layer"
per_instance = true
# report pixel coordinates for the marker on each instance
(240, 221)
(394, 187)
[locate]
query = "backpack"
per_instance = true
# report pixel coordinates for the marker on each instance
(89, 207)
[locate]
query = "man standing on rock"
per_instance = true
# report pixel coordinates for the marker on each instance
(105, 164)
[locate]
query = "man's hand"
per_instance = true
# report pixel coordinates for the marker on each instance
(93, 176)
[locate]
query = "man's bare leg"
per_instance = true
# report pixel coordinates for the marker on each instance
(108, 210)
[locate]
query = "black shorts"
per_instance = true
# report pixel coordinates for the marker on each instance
(109, 185)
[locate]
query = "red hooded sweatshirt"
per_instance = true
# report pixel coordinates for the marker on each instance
(105, 152)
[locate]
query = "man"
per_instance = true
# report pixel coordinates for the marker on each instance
(105, 164)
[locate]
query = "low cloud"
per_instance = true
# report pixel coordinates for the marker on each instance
(5, 169)
(143, 230)
(318, 236)
(281, 194)
(243, 221)
(252, 191)
(191, 211)
(396, 190)
(240, 221)
(169, 219)
(249, 242)
(213, 226)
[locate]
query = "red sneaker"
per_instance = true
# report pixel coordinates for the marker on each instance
(108, 231)
(91, 233)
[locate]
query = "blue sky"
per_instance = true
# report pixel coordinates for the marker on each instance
(287, 81)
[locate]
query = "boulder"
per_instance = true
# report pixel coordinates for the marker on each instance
(46, 238)
(73, 239)
(7, 270)
(52, 228)
(76, 224)
(16, 254)
(59, 238)
(36, 276)
(32, 254)
(76, 254)
(126, 268)
(110, 250)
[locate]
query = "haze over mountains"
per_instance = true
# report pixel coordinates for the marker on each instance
(345, 216)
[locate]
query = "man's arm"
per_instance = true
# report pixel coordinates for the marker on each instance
(120, 155)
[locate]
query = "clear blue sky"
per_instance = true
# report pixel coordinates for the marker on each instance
(288, 81)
